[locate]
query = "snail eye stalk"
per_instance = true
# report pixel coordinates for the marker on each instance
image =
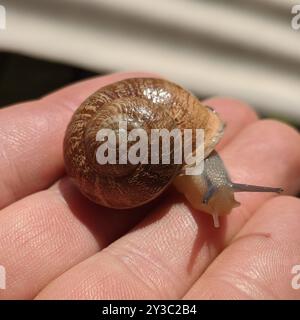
(238, 187)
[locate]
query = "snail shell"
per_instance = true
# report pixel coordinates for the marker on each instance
(146, 103)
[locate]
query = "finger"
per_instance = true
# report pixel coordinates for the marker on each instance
(46, 233)
(259, 262)
(31, 136)
(230, 109)
(167, 252)
(262, 155)
(43, 209)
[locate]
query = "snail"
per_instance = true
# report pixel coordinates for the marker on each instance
(148, 103)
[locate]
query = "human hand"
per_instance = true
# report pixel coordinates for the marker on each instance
(56, 244)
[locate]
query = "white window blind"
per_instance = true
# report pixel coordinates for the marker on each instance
(245, 49)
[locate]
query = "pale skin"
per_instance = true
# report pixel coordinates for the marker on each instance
(56, 244)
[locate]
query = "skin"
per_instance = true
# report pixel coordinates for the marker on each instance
(56, 244)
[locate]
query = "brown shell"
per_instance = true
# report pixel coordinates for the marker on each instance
(144, 102)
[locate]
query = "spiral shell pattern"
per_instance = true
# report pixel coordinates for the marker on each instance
(146, 103)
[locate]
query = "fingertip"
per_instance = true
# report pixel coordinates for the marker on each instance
(281, 204)
(226, 106)
(279, 126)
(235, 113)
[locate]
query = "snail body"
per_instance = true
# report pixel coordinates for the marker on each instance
(148, 103)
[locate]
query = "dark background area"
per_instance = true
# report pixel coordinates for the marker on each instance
(23, 78)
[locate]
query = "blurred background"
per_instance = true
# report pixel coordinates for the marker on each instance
(244, 49)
